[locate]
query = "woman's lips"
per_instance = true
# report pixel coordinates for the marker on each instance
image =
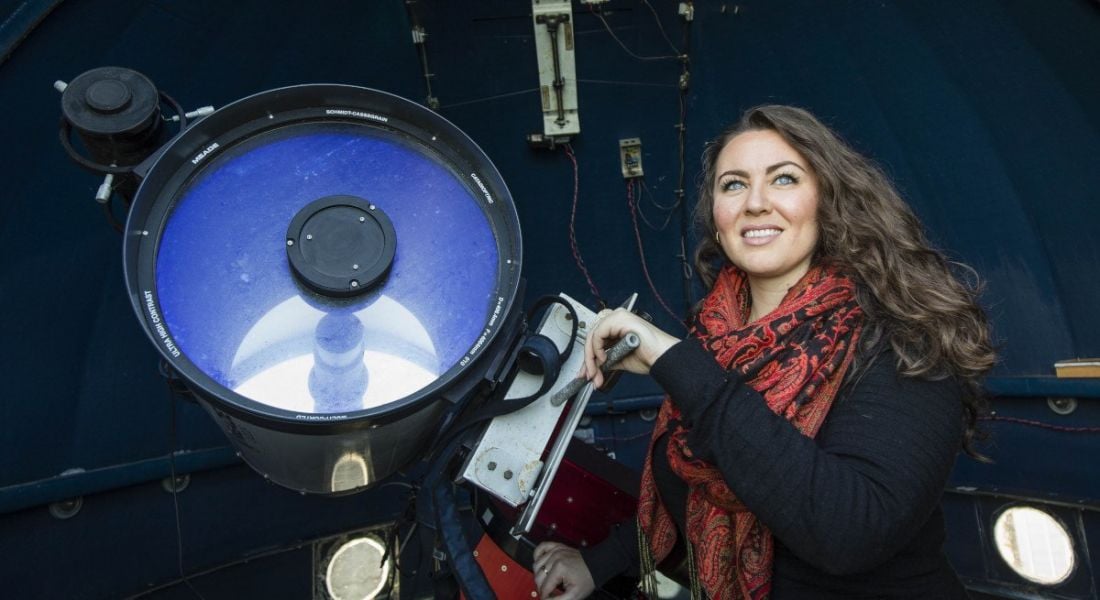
(758, 236)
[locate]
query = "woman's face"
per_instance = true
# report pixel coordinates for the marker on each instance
(765, 207)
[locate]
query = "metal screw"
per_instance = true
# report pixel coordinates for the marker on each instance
(507, 474)
(176, 485)
(362, 219)
(290, 242)
(1062, 406)
(354, 283)
(355, 267)
(309, 236)
(492, 466)
(66, 509)
(504, 568)
(372, 207)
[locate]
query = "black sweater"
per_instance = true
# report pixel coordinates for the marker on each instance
(855, 511)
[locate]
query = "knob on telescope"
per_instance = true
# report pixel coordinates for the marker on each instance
(115, 113)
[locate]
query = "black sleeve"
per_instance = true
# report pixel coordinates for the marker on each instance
(616, 555)
(849, 499)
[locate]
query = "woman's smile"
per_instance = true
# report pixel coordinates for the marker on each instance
(765, 208)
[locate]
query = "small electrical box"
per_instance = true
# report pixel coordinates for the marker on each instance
(630, 157)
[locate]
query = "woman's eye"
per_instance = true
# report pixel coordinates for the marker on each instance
(732, 184)
(786, 179)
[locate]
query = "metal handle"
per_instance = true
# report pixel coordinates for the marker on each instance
(617, 352)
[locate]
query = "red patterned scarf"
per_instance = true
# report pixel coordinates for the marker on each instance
(796, 358)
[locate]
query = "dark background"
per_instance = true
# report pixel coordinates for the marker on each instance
(986, 113)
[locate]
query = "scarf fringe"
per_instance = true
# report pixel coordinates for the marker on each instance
(647, 569)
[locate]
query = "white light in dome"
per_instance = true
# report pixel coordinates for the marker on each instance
(356, 570)
(1034, 544)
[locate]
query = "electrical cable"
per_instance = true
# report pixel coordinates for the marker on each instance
(490, 98)
(1041, 425)
(573, 230)
(109, 212)
(175, 491)
(627, 83)
(420, 41)
(629, 438)
(661, 27)
(599, 16)
(667, 209)
(651, 226)
(686, 269)
(653, 201)
(641, 253)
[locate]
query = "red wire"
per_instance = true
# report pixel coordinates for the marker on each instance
(572, 226)
(1041, 425)
(641, 252)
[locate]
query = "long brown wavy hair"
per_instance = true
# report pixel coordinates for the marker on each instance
(910, 292)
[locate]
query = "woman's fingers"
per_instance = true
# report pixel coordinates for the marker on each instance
(608, 329)
(602, 334)
(559, 567)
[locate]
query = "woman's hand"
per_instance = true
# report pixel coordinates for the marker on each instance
(611, 325)
(557, 565)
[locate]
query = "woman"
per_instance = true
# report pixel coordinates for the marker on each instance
(816, 410)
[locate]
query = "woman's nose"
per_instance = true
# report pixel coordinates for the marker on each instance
(757, 202)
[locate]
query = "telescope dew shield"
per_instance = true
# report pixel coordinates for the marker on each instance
(324, 265)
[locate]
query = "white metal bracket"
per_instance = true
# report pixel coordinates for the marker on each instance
(553, 21)
(507, 460)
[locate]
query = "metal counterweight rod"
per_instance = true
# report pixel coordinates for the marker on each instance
(617, 352)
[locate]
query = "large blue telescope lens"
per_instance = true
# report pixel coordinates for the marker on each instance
(235, 309)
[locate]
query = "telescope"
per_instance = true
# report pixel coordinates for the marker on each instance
(336, 274)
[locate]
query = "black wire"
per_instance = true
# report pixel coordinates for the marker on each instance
(661, 27)
(108, 210)
(599, 15)
(641, 208)
(175, 491)
(685, 75)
